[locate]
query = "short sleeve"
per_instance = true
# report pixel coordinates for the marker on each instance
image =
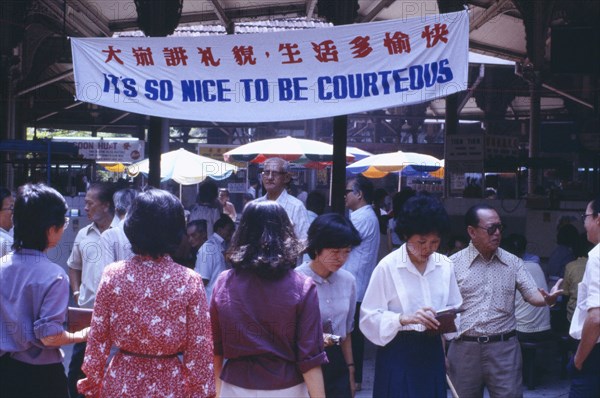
(525, 283)
(310, 352)
(53, 311)
(75, 260)
(214, 317)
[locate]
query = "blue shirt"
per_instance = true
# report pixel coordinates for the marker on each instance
(337, 299)
(210, 261)
(363, 258)
(34, 296)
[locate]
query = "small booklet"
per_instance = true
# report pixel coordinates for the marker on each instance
(446, 319)
(78, 318)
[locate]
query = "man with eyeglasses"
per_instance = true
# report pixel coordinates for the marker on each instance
(486, 351)
(275, 177)
(6, 221)
(363, 258)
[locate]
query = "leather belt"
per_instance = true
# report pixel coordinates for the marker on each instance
(489, 339)
(138, 355)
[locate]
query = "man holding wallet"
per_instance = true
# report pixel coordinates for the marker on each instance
(487, 352)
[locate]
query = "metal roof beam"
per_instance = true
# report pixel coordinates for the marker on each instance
(490, 13)
(310, 8)
(376, 10)
(44, 83)
(234, 14)
(46, 116)
(222, 16)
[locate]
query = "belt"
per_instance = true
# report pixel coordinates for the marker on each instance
(489, 339)
(135, 354)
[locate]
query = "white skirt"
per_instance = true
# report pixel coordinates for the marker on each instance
(231, 391)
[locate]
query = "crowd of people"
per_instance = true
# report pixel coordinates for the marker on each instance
(279, 301)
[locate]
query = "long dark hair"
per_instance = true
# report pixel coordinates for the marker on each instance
(265, 242)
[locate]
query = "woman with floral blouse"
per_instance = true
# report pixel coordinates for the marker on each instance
(154, 311)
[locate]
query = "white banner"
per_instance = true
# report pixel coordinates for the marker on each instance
(291, 75)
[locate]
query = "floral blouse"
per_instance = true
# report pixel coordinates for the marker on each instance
(151, 310)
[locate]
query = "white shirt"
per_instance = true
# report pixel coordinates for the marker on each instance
(115, 245)
(532, 319)
(397, 287)
(6, 242)
(210, 261)
(203, 212)
(87, 257)
(363, 258)
(302, 197)
(295, 211)
(588, 294)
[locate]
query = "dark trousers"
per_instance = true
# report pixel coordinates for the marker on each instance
(358, 347)
(586, 382)
(336, 374)
(23, 380)
(75, 372)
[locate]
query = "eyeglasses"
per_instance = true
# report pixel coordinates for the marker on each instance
(491, 230)
(273, 173)
(584, 215)
(348, 191)
(11, 209)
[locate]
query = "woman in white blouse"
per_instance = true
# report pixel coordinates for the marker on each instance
(405, 292)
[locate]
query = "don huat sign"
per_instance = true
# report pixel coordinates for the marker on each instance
(111, 150)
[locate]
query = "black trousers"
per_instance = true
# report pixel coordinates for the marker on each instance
(22, 380)
(358, 347)
(336, 374)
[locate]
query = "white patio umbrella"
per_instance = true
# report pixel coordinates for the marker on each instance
(185, 167)
(358, 153)
(377, 166)
(309, 153)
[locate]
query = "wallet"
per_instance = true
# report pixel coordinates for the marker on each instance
(78, 318)
(446, 319)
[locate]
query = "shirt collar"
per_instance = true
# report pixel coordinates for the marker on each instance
(318, 278)
(499, 254)
(93, 226)
(434, 261)
(217, 238)
(363, 209)
(281, 198)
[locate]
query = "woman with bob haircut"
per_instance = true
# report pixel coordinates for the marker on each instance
(265, 316)
(152, 309)
(407, 289)
(331, 238)
(34, 295)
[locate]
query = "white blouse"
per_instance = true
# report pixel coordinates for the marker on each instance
(397, 287)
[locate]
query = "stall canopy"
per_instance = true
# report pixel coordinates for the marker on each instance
(308, 153)
(378, 166)
(186, 168)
